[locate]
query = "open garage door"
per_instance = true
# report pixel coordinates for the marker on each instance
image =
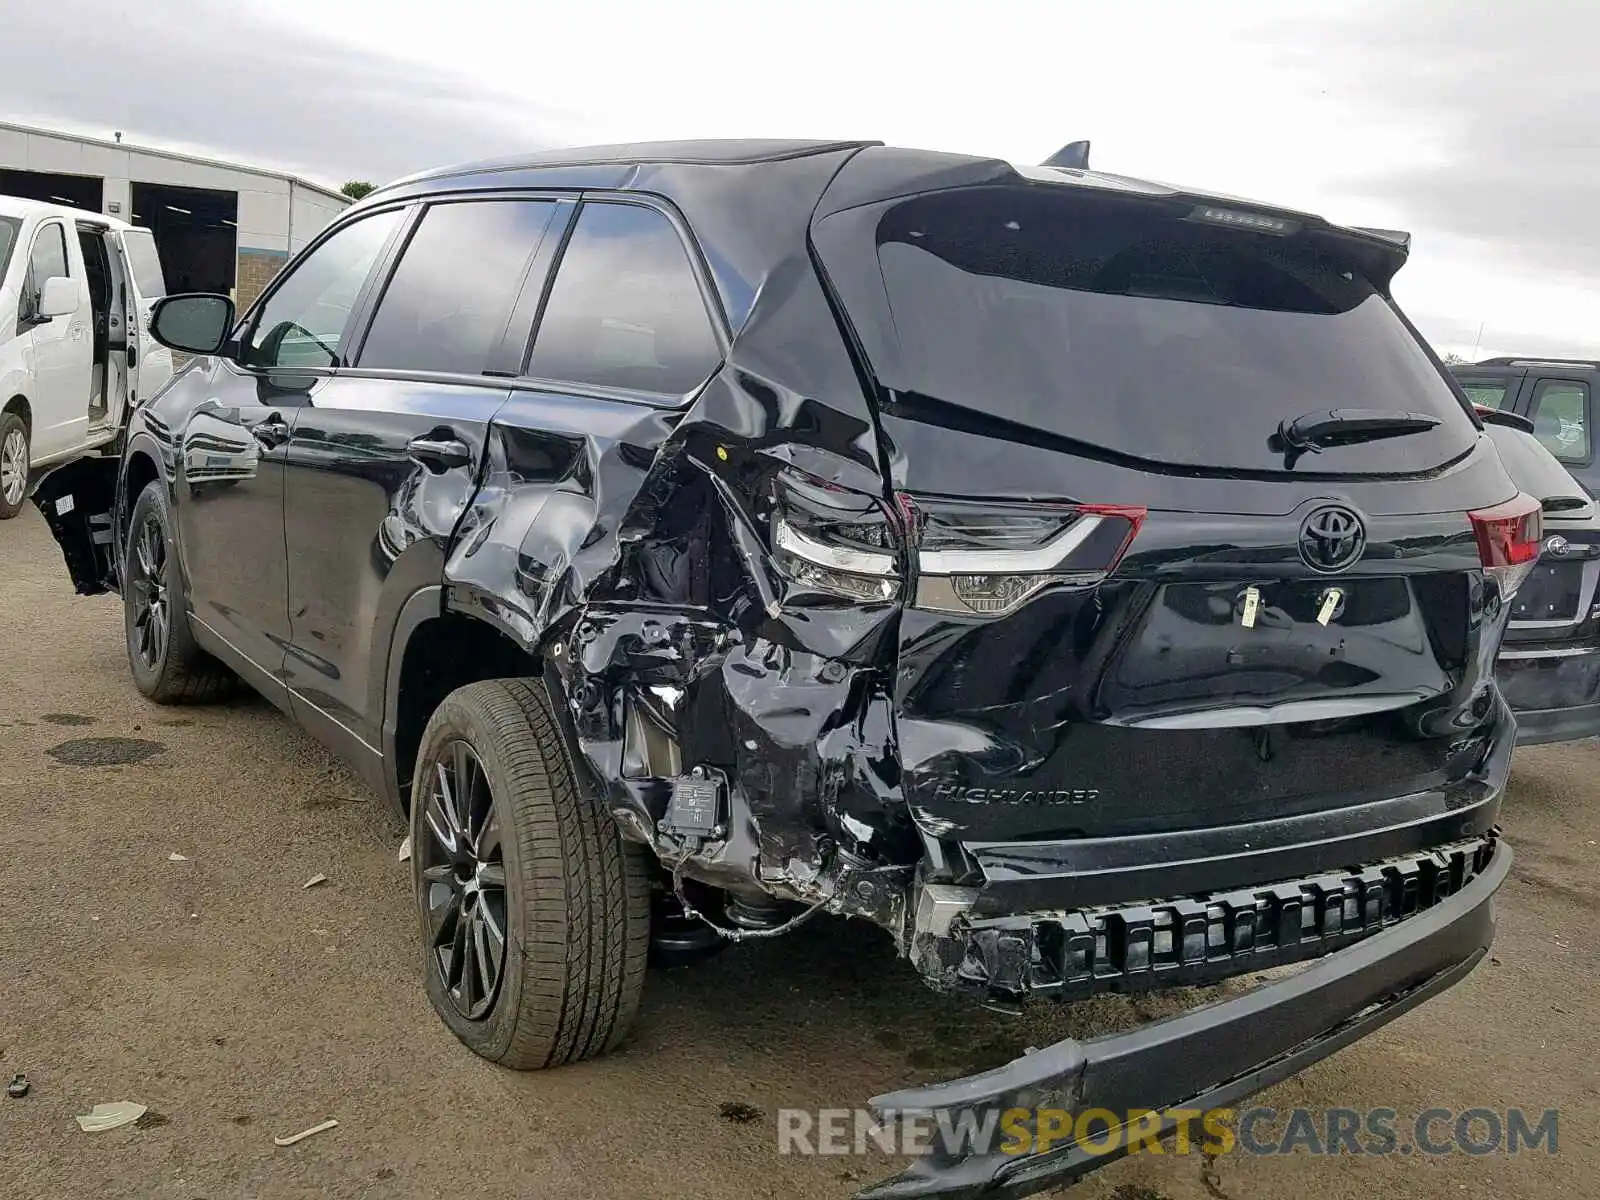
(195, 230)
(79, 191)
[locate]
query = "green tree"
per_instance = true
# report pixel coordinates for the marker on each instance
(356, 188)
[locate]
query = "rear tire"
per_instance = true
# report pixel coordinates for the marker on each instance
(535, 913)
(15, 452)
(167, 665)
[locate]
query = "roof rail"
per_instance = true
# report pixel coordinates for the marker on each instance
(1511, 360)
(1074, 155)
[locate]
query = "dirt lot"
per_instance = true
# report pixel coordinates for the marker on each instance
(238, 1006)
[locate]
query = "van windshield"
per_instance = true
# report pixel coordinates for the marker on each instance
(1134, 327)
(9, 227)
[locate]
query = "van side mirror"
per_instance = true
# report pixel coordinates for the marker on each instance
(58, 298)
(197, 323)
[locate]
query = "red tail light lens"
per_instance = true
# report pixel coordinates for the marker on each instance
(1509, 537)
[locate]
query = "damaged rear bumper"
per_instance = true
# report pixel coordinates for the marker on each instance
(1211, 1057)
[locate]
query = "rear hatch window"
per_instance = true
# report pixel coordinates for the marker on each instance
(1135, 327)
(1536, 471)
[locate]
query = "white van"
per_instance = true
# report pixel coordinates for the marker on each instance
(76, 289)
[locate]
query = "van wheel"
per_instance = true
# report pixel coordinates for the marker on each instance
(535, 913)
(167, 665)
(14, 460)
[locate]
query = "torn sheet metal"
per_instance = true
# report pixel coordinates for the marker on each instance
(632, 549)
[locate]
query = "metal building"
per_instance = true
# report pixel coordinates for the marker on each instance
(220, 227)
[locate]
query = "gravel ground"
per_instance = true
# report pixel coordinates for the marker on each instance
(237, 1005)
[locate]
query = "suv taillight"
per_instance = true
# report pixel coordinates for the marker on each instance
(834, 541)
(988, 559)
(971, 559)
(1508, 536)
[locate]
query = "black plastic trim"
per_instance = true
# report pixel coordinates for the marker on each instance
(1209, 1057)
(421, 606)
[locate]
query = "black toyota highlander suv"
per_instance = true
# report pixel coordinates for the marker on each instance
(1095, 584)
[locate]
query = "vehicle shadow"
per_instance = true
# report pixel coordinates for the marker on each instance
(844, 975)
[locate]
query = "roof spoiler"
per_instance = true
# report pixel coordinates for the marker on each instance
(1397, 236)
(1074, 155)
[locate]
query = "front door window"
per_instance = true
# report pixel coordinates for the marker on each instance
(304, 321)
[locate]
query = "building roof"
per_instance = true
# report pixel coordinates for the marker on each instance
(19, 207)
(157, 152)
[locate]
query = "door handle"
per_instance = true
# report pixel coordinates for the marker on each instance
(439, 454)
(271, 433)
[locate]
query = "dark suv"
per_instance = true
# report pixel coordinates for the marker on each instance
(1549, 665)
(1555, 394)
(696, 536)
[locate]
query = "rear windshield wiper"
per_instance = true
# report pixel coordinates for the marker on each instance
(1561, 504)
(1317, 431)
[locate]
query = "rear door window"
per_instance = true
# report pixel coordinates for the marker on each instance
(625, 310)
(447, 304)
(1139, 328)
(1491, 393)
(1560, 414)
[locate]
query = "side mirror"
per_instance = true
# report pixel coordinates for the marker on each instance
(58, 298)
(197, 323)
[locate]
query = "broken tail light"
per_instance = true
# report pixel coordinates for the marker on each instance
(1509, 537)
(989, 560)
(835, 541)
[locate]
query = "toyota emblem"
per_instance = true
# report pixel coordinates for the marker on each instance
(1331, 538)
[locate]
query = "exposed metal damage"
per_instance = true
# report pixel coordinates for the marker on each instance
(736, 722)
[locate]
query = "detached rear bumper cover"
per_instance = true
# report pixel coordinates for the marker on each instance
(1210, 1057)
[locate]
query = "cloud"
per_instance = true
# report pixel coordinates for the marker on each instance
(208, 76)
(1499, 105)
(1464, 122)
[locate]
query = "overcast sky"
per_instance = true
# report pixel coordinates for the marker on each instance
(1470, 124)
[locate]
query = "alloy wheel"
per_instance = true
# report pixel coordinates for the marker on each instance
(463, 881)
(14, 467)
(147, 589)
